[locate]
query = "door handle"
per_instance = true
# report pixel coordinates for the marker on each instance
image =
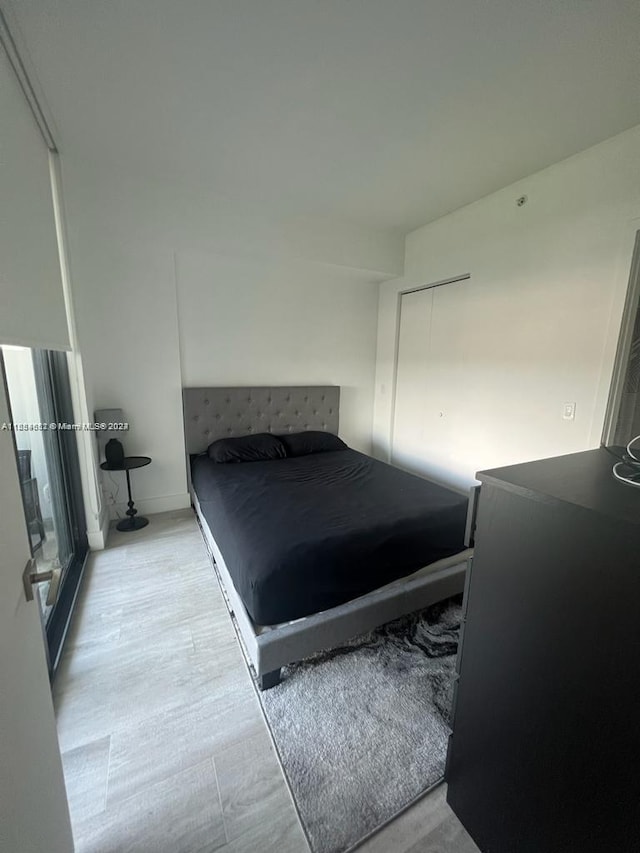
(30, 577)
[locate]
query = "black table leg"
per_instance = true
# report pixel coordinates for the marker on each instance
(131, 523)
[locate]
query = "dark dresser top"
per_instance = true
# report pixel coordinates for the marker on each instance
(584, 479)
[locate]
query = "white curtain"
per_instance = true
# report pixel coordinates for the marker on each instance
(32, 308)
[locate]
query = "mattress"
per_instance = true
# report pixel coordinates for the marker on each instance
(304, 534)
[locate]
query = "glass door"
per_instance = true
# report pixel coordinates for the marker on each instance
(47, 460)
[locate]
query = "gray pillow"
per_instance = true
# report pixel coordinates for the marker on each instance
(247, 448)
(311, 441)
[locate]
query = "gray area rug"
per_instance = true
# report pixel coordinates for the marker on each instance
(362, 730)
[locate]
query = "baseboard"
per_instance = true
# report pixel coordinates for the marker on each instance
(150, 506)
(97, 539)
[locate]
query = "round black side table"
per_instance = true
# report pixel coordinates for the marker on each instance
(128, 463)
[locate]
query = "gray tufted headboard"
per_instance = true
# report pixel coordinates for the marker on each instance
(212, 413)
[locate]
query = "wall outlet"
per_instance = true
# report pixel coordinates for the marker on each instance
(108, 495)
(569, 411)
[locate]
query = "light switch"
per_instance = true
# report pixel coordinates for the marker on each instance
(569, 411)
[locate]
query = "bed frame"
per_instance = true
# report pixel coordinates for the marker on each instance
(212, 413)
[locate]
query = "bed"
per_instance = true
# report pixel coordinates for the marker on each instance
(315, 548)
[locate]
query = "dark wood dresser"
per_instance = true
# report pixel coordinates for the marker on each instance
(545, 751)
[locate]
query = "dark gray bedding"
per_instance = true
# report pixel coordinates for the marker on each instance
(300, 535)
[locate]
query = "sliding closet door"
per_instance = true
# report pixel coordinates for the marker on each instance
(454, 408)
(412, 379)
(434, 402)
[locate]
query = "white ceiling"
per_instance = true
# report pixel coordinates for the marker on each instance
(386, 113)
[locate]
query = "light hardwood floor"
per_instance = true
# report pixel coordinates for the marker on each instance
(164, 746)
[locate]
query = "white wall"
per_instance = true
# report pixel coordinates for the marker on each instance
(161, 276)
(244, 322)
(538, 323)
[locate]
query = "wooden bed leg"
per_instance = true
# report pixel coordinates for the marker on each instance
(269, 679)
